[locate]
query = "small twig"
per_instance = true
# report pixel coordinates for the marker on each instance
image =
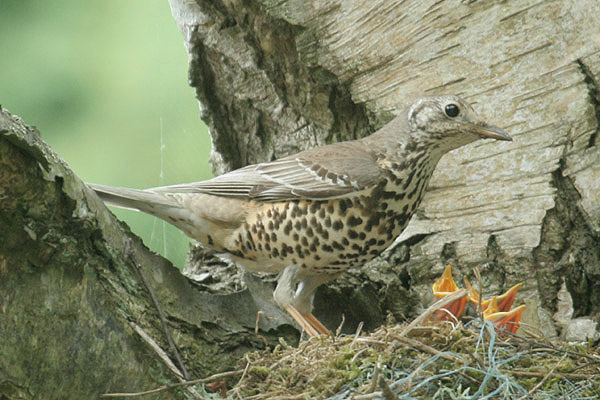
(480, 287)
(368, 396)
(432, 308)
(157, 349)
(176, 385)
(375, 379)
(289, 397)
(164, 357)
(357, 354)
(534, 374)
(161, 314)
(258, 315)
(245, 369)
(356, 334)
(428, 349)
(338, 331)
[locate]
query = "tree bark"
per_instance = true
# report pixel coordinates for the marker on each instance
(70, 291)
(275, 77)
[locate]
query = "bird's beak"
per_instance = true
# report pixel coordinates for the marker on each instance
(489, 131)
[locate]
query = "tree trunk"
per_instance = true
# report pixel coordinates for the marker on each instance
(275, 77)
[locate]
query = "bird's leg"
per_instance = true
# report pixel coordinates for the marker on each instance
(295, 291)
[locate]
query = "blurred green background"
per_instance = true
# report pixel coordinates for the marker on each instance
(105, 82)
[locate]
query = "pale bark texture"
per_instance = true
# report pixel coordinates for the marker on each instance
(275, 77)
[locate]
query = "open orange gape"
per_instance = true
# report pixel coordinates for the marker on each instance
(496, 310)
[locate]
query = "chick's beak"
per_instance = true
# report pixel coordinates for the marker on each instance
(489, 131)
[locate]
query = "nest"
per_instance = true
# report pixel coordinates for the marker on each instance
(444, 361)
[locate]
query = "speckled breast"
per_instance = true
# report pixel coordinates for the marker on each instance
(330, 236)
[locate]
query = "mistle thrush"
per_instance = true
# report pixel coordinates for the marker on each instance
(314, 214)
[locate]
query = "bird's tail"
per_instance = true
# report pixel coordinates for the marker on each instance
(142, 200)
(197, 214)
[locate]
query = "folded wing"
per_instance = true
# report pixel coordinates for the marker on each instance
(326, 172)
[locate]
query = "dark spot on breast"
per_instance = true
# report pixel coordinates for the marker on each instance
(327, 248)
(314, 206)
(304, 223)
(337, 245)
(388, 195)
(304, 241)
(297, 225)
(412, 193)
(296, 237)
(352, 234)
(273, 237)
(322, 212)
(344, 204)
(324, 234)
(409, 179)
(309, 232)
(354, 221)
(362, 236)
(345, 242)
(267, 247)
(328, 221)
(295, 208)
(287, 228)
(337, 225)
(250, 243)
(236, 253)
(270, 225)
(299, 251)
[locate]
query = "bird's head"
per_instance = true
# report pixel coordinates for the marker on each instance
(449, 122)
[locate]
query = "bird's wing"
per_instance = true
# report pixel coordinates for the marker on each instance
(326, 172)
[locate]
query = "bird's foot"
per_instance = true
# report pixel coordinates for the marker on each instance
(311, 325)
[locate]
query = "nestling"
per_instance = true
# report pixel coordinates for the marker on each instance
(314, 214)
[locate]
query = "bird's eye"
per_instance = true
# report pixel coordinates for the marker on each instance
(452, 110)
